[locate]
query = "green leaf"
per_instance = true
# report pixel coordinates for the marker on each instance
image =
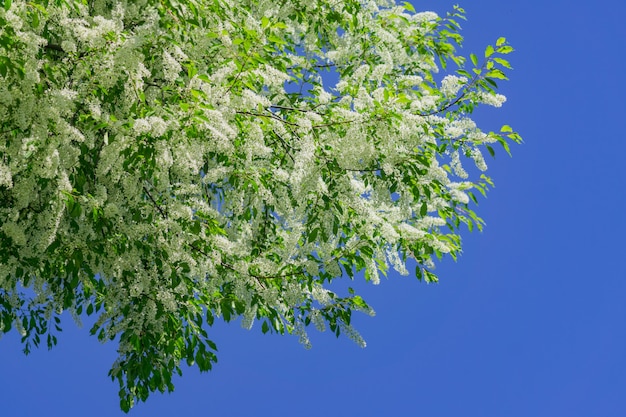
(474, 59)
(503, 62)
(491, 82)
(358, 301)
(496, 73)
(418, 273)
(489, 51)
(191, 70)
(7, 4)
(500, 41)
(276, 39)
(430, 277)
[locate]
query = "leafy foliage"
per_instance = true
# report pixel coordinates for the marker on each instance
(164, 163)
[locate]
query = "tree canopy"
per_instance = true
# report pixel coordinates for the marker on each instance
(167, 163)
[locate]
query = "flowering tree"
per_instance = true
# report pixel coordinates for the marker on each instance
(164, 163)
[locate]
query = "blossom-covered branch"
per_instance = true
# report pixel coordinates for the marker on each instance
(167, 163)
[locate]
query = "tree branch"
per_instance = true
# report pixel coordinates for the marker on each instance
(163, 213)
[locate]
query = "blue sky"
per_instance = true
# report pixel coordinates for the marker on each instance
(531, 321)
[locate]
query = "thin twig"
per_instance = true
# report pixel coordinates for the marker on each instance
(163, 214)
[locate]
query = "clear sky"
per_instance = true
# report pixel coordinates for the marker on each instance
(531, 321)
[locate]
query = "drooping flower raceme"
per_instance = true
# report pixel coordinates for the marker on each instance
(164, 163)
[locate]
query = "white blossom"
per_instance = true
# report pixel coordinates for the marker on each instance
(451, 84)
(6, 179)
(457, 165)
(171, 67)
(153, 125)
(353, 334)
(495, 100)
(479, 160)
